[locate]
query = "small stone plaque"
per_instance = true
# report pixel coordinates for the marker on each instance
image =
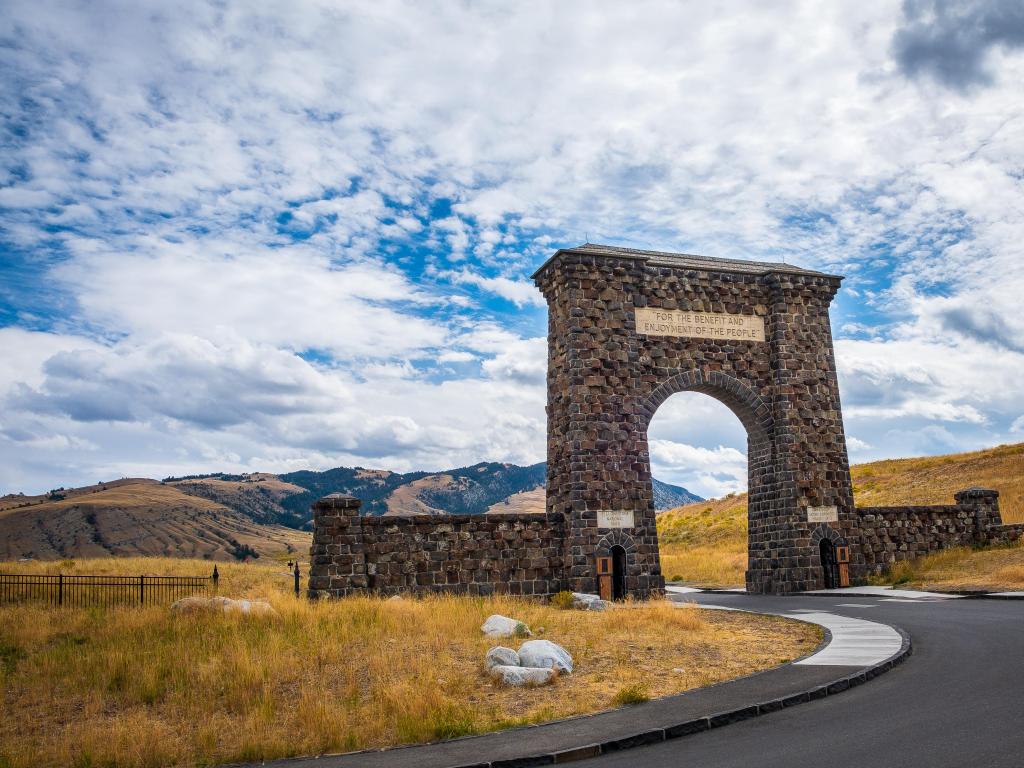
(608, 518)
(822, 515)
(699, 325)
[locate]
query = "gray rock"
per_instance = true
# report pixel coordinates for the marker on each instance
(500, 656)
(502, 626)
(544, 653)
(585, 602)
(223, 605)
(519, 676)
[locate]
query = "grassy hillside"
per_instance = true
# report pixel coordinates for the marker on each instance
(136, 517)
(258, 495)
(142, 687)
(706, 542)
(934, 479)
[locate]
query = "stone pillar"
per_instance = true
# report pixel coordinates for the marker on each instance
(598, 469)
(337, 563)
(985, 503)
(811, 463)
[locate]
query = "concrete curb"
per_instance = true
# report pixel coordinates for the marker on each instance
(706, 723)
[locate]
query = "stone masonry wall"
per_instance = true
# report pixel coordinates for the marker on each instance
(462, 554)
(891, 534)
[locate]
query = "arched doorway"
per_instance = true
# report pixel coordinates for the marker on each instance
(618, 554)
(829, 565)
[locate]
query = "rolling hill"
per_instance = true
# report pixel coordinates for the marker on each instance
(135, 517)
(705, 542)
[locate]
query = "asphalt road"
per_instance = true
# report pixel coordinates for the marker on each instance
(958, 702)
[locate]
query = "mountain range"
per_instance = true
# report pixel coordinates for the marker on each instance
(224, 516)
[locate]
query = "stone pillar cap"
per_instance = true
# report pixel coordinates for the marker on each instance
(975, 492)
(338, 501)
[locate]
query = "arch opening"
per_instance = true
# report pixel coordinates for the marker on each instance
(829, 565)
(618, 553)
(735, 551)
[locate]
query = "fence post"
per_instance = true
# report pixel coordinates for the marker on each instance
(60, 589)
(142, 590)
(296, 578)
(216, 578)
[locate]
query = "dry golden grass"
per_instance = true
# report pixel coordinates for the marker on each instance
(141, 687)
(705, 543)
(934, 479)
(721, 564)
(998, 569)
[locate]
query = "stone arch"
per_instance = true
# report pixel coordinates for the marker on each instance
(748, 406)
(825, 531)
(627, 329)
(610, 539)
(819, 535)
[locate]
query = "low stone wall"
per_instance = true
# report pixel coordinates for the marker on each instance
(525, 554)
(891, 534)
(462, 554)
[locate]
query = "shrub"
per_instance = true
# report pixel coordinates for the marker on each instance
(563, 600)
(634, 693)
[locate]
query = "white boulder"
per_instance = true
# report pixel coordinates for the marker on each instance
(500, 656)
(218, 604)
(544, 653)
(502, 626)
(585, 602)
(519, 676)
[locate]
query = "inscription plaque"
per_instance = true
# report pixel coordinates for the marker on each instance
(822, 515)
(699, 325)
(608, 518)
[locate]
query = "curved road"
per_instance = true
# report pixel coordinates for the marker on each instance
(957, 702)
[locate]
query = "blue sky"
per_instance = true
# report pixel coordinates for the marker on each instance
(300, 234)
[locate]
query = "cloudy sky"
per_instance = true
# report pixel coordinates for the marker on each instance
(239, 236)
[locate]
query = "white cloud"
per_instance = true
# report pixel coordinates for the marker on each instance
(225, 187)
(23, 354)
(456, 357)
(855, 444)
(519, 292)
(289, 297)
(523, 360)
(708, 472)
(178, 403)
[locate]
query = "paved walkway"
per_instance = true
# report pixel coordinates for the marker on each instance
(852, 643)
(859, 644)
(855, 642)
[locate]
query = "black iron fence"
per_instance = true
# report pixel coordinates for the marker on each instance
(85, 591)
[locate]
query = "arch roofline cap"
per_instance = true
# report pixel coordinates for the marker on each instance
(684, 261)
